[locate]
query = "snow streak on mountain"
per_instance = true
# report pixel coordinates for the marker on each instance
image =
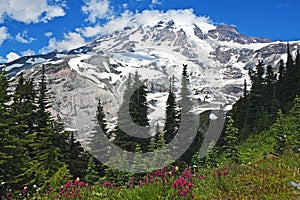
(218, 59)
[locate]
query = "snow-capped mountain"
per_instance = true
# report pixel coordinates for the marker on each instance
(218, 59)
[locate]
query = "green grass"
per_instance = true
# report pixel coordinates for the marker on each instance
(267, 178)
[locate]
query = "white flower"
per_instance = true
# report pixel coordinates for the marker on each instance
(34, 186)
(2, 183)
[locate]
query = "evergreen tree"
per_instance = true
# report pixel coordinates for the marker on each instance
(290, 61)
(12, 147)
(289, 83)
(48, 139)
(92, 175)
(42, 115)
(231, 142)
(122, 139)
(60, 177)
(187, 119)
(23, 105)
(297, 72)
(138, 103)
(136, 99)
(294, 125)
(245, 92)
(101, 118)
(279, 130)
(281, 70)
(75, 157)
(171, 123)
(210, 159)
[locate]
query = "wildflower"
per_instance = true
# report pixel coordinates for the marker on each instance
(2, 183)
(190, 185)
(193, 196)
(150, 178)
(34, 186)
(77, 180)
(145, 179)
(81, 184)
(106, 184)
(219, 172)
(185, 191)
(24, 190)
(141, 183)
(174, 185)
(225, 172)
(176, 168)
(68, 184)
(173, 196)
(50, 189)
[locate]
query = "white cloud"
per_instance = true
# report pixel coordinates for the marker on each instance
(28, 52)
(12, 56)
(30, 12)
(152, 17)
(90, 31)
(23, 38)
(71, 41)
(3, 34)
(48, 34)
(283, 5)
(96, 9)
(153, 3)
(146, 18)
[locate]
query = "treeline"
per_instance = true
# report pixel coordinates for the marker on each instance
(270, 92)
(135, 102)
(266, 119)
(35, 150)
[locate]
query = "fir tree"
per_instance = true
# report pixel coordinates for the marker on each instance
(75, 157)
(92, 175)
(245, 91)
(171, 124)
(12, 146)
(280, 136)
(281, 70)
(137, 102)
(187, 119)
(101, 118)
(231, 142)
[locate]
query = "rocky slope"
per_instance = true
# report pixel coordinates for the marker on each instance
(218, 59)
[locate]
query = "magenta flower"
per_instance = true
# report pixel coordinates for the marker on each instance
(141, 183)
(185, 191)
(219, 172)
(107, 184)
(68, 184)
(81, 184)
(225, 172)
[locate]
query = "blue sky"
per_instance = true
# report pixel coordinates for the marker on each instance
(41, 26)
